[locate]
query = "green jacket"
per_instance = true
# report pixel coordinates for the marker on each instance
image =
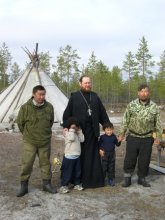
(141, 119)
(35, 122)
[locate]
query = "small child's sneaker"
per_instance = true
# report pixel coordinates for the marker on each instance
(111, 182)
(63, 189)
(78, 187)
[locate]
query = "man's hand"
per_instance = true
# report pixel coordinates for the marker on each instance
(157, 141)
(101, 152)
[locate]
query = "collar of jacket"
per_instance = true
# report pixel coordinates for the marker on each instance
(146, 103)
(30, 102)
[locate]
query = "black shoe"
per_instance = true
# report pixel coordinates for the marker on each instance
(143, 182)
(127, 182)
(24, 189)
(47, 187)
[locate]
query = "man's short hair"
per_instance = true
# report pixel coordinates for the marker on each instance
(37, 88)
(83, 76)
(108, 125)
(143, 86)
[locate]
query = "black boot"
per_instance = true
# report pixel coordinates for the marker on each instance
(24, 189)
(143, 182)
(47, 187)
(127, 182)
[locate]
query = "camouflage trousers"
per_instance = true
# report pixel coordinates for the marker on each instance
(29, 153)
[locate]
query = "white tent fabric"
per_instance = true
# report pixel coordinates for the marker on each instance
(20, 91)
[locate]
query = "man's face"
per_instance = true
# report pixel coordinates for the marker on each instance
(86, 84)
(39, 96)
(144, 94)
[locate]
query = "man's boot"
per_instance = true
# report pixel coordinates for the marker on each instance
(127, 182)
(47, 187)
(24, 189)
(143, 182)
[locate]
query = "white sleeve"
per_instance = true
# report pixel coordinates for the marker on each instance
(80, 136)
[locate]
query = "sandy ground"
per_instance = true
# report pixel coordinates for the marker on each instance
(134, 203)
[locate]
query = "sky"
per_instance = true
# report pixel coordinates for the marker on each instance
(110, 28)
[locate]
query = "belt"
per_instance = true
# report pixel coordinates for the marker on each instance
(133, 132)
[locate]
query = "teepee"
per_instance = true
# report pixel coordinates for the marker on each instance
(20, 91)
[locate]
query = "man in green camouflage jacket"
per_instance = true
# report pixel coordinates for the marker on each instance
(141, 118)
(35, 120)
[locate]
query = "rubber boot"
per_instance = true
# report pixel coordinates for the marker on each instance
(143, 182)
(127, 182)
(47, 187)
(24, 189)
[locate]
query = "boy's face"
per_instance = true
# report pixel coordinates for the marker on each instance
(109, 131)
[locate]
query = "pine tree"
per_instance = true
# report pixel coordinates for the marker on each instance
(15, 72)
(144, 58)
(160, 78)
(91, 68)
(67, 67)
(161, 64)
(5, 60)
(44, 59)
(130, 67)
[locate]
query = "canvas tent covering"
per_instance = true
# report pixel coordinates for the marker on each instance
(20, 91)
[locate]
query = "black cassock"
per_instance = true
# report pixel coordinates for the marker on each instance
(92, 175)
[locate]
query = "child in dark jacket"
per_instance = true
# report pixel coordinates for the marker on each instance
(107, 143)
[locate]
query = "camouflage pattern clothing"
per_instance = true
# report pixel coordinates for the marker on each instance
(35, 124)
(141, 119)
(29, 152)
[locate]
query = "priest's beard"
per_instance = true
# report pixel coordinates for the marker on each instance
(86, 91)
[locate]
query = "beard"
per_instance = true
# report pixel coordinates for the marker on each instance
(86, 89)
(144, 99)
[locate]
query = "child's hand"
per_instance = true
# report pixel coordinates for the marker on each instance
(78, 129)
(65, 130)
(101, 152)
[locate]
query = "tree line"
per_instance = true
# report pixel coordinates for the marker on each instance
(116, 86)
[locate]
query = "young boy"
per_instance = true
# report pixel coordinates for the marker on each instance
(71, 168)
(107, 144)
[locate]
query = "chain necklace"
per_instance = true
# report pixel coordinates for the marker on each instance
(88, 105)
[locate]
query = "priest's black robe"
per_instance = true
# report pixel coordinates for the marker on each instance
(92, 175)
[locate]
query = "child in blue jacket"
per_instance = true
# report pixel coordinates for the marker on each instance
(107, 143)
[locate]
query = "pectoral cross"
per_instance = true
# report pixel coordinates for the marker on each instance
(89, 111)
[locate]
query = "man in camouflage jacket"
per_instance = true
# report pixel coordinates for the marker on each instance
(141, 118)
(35, 120)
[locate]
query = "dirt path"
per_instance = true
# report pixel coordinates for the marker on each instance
(116, 202)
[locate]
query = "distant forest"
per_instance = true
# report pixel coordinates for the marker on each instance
(116, 86)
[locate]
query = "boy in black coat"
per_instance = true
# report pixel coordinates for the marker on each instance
(107, 143)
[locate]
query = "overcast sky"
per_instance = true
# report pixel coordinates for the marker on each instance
(110, 28)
